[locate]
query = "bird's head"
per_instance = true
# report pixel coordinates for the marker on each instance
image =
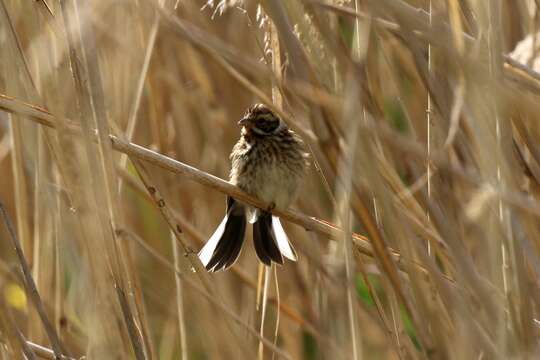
(262, 121)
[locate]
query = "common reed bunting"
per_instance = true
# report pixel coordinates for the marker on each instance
(268, 162)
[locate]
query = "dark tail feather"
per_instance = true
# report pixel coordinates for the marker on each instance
(264, 240)
(223, 248)
(258, 242)
(230, 244)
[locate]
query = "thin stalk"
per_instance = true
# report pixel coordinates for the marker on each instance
(179, 300)
(30, 285)
(267, 273)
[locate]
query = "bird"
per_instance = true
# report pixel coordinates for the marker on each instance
(268, 161)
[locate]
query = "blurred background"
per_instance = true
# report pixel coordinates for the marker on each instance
(421, 117)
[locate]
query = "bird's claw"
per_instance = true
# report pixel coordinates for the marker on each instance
(189, 251)
(271, 207)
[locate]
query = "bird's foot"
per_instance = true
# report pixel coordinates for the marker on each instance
(271, 207)
(189, 251)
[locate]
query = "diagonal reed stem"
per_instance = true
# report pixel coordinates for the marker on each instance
(44, 117)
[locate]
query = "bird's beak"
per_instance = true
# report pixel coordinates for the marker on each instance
(243, 121)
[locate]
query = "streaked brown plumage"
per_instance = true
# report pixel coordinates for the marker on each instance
(268, 161)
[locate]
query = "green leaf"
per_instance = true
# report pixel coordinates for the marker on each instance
(393, 111)
(310, 346)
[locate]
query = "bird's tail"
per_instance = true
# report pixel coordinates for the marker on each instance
(223, 247)
(271, 242)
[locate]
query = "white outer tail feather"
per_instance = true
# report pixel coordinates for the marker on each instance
(208, 250)
(282, 240)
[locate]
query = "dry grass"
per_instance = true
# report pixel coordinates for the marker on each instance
(417, 226)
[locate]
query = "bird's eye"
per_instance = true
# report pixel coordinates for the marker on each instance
(267, 125)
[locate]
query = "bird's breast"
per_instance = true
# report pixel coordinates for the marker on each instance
(268, 171)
